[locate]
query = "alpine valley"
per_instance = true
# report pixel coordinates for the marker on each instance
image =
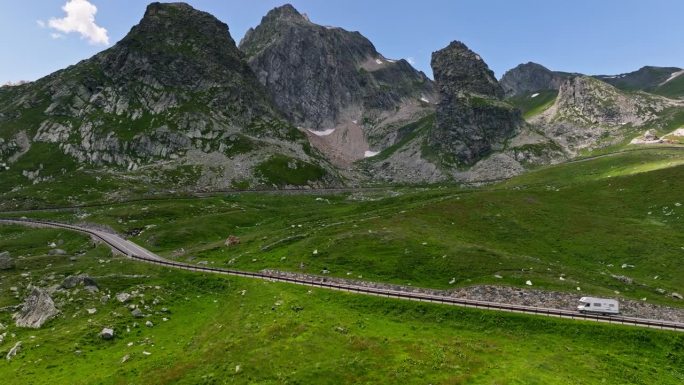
(298, 208)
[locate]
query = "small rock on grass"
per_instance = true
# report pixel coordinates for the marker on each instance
(123, 297)
(107, 334)
(14, 351)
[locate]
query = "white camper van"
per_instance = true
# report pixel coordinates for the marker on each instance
(598, 305)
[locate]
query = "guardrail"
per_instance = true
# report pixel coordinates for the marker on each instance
(421, 297)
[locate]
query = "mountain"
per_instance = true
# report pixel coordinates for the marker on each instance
(529, 78)
(175, 95)
(335, 83)
(646, 78)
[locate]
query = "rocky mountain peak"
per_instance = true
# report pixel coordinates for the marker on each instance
(457, 69)
(327, 78)
(530, 77)
(175, 45)
(285, 13)
(177, 18)
(177, 29)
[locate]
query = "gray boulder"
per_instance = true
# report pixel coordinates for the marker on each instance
(37, 309)
(57, 252)
(107, 334)
(82, 279)
(137, 313)
(6, 262)
(123, 297)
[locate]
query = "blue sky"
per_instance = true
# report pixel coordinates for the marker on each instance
(587, 36)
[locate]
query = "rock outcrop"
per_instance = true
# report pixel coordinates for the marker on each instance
(585, 100)
(472, 120)
(529, 78)
(589, 112)
(38, 308)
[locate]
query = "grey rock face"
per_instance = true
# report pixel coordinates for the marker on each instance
(6, 262)
(530, 77)
(320, 76)
(471, 119)
(37, 309)
(137, 313)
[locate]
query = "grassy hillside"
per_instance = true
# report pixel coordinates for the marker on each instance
(672, 89)
(644, 79)
(229, 330)
(583, 220)
(531, 106)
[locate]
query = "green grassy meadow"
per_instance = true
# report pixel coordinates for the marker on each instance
(582, 220)
(222, 330)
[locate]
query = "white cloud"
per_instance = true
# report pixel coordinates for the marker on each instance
(80, 17)
(41, 23)
(56, 35)
(411, 60)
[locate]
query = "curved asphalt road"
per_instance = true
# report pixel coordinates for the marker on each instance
(134, 251)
